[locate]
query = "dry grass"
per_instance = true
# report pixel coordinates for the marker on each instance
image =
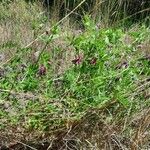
(18, 25)
(98, 129)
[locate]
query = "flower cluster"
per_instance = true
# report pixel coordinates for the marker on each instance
(79, 59)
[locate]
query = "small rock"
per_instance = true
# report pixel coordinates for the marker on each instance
(36, 55)
(2, 57)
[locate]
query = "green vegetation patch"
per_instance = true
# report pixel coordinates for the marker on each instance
(108, 65)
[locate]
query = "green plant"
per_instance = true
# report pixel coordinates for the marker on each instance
(96, 75)
(103, 83)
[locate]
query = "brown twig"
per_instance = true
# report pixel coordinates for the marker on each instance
(26, 145)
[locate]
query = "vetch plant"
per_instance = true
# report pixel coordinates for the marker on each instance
(100, 74)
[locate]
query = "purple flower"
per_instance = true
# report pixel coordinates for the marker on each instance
(93, 61)
(42, 70)
(77, 60)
